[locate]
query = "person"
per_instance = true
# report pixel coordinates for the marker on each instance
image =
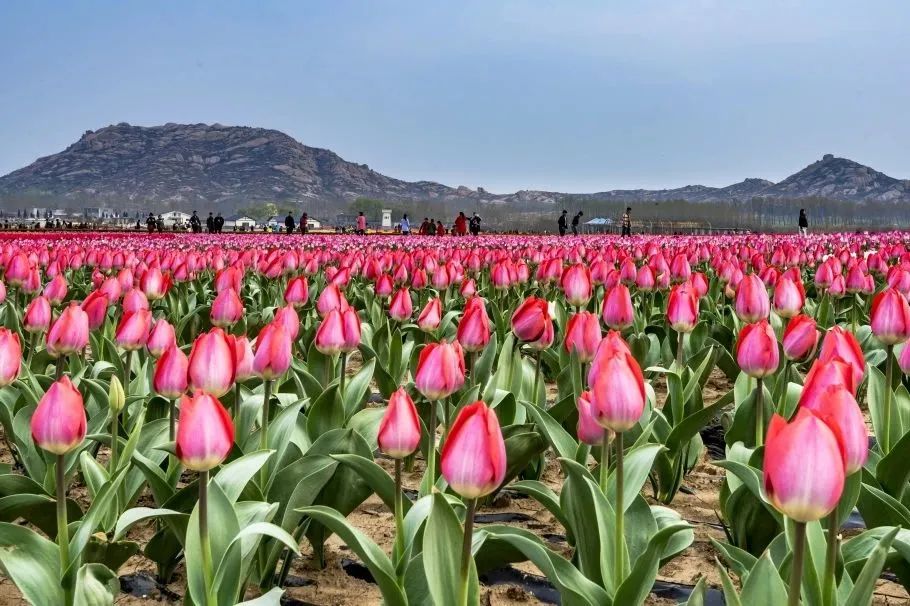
(461, 224)
(150, 223)
(289, 223)
(210, 224)
(405, 225)
(195, 223)
(563, 222)
(475, 224)
(219, 223)
(627, 222)
(361, 224)
(425, 228)
(575, 221)
(304, 223)
(440, 228)
(803, 222)
(159, 224)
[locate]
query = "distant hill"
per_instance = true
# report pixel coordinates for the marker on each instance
(183, 165)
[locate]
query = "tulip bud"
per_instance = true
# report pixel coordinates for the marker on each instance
(10, 356)
(205, 433)
(273, 352)
(582, 335)
(37, 316)
(211, 363)
(473, 458)
(431, 316)
(890, 317)
(789, 297)
(531, 323)
(399, 430)
(756, 350)
(297, 292)
(617, 391)
(243, 359)
(170, 379)
(440, 370)
(752, 303)
(682, 308)
(837, 407)
(116, 398)
(577, 285)
(618, 312)
(803, 467)
(840, 344)
(287, 317)
(339, 332)
(58, 424)
(69, 333)
(588, 430)
(400, 307)
(133, 330)
(161, 337)
(474, 327)
(95, 306)
(227, 308)
(800, 338)
(56, 290)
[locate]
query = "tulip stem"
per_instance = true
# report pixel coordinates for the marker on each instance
(343, 363)
(63, 535)
(620, 539)
(127, 369)
(115, 416)
(889, 371)
(830, 585)
(58, 368)
(210, 598)
(796, 571)
(431, 446)
(534, 397)
(680, 349)
(264, 431)
(604, 461)
(759, 413)
(466, 550)
(399, 511)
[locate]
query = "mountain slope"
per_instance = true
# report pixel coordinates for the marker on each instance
(181, 165)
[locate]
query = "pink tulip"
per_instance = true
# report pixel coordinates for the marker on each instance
(840, 344)
(273, 352)
(399, 430)
(10, 356)
(170, 378)
(161, 337)
(890, 317)
(287, 317)
(582, 335)
(133, 330)
(37, 316)
(837, 407)
(330, 298)
(56, 290)
(440, 370)
(58, 424)
(205, 434)
(297, 292)
(531, 323)
(588, 430)
(803, 467)
(789, 297)
(69, 333)
(473, 458)
(431, 316)
(227, 308)
(400, 307)
(212, 363)
(618, 312)
(474, 327)
(617, 390)
(243, 359)
(154, 284)
(577, 285)
(338, 333)
(682, 308)
(756, 350)
(800, 338)
(752, 303)
(95, 306)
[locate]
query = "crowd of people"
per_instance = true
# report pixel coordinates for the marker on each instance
(462, 226)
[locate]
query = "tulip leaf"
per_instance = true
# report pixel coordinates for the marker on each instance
(686, 429)
(880, 509)
(104, 500)
(378, 479)
(223, 527)
(483, 364)
(731, 597)
(637, 465)
(541, 493)
(864, 586)
(892, 471)
(233, 477)
(161, 489)
(764, 585)
(752, 480)
(574, 588)
(96, 585)
(557, 437)
(356, 389)
(366, 423)
(442, 540)
(636, 587)
(740, 560)
(325, 414)
(272, 598)
(378, 563)
(32, 563)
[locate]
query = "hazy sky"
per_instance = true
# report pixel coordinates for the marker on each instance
(564, 95)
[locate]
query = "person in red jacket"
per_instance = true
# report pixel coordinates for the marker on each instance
(461, 225)
(440, 228)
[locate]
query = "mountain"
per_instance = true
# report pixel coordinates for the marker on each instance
(184, 165)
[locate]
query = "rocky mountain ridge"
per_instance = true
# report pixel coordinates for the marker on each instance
(181, 165)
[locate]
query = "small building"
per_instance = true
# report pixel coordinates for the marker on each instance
(175, 218)
(240, 223)
(386, 218)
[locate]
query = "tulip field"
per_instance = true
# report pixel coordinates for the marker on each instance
(498, 420)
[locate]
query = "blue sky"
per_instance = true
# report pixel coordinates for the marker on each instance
(569, 96)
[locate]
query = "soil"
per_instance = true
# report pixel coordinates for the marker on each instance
(341, 582)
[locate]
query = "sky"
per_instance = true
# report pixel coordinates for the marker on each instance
(571, 96)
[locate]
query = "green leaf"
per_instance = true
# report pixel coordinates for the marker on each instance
(356, 389)
(377, 478)
(272, 598)
(861, 594)
(637, 465)
(764, 585)
(223, 527)
(541, 493)
(636, 587)
(32, 563)
(369, 553)
(233, 477)
(96, 585)
(325, 414)
(442, 539)
(558, 438)
(134, 515)
(892, 471)
(104, 501)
